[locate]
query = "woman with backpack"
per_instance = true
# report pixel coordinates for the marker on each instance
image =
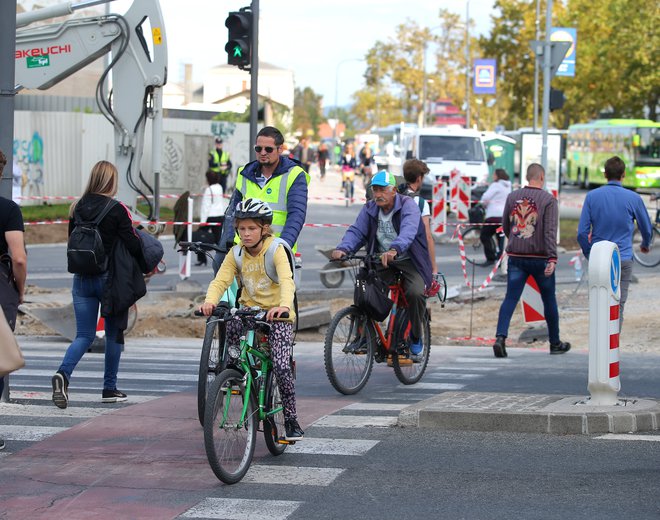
(252, 219)
(97, 211)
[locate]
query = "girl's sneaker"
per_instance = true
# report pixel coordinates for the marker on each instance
(113, 396)
(293, 430)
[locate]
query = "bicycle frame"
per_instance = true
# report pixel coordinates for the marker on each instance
(396, 295)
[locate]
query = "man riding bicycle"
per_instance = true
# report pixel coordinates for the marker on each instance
(391, 225)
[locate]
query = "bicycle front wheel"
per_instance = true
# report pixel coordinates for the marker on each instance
(474, 249)
(211, 362)
(652, 258)
(230, 436)
(349, 351)
(274, 423)
(410, 368)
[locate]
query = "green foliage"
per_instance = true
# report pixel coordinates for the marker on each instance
(233, 117)
(61, 212)
(307, 111)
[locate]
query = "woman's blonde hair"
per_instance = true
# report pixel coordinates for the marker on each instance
(102, 180)
(265, 227)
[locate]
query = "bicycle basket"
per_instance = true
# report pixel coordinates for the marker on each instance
(371, 294)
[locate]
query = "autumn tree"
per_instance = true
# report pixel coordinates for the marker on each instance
(307, 111)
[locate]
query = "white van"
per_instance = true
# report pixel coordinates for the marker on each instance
(446, 149)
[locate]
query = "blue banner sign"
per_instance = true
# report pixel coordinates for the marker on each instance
(485, 75)
(566, 34)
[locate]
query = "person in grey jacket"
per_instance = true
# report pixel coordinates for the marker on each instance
(391, 224)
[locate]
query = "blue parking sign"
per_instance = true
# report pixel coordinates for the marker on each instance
(566, 34)
(485, 76)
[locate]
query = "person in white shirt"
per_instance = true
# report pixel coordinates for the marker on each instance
(493, 200)
(212, 210)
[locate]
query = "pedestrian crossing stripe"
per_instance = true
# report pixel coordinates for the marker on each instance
(81, 397)
(124, 375)
(30, 410)
(291, 475)
(355, 421)
(436, 386)
(628, 437)
(9, 432)
(242, 509)
(385, 407)
(323, 446)
(448, 375)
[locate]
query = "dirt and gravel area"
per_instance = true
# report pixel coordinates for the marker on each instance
(170, 316)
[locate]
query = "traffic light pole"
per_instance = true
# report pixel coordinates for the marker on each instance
(547, 76)
(254, 78)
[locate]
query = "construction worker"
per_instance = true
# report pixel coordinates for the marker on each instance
(220, 163)
(275, 179)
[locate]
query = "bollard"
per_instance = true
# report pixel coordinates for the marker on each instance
(185, 259)
(604, 294)
(439, 213)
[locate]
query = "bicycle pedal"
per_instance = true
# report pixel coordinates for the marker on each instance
(282, 440)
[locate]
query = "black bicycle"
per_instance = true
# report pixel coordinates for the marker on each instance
(213, 358)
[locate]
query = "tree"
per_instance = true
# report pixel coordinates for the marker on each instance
(307, 111)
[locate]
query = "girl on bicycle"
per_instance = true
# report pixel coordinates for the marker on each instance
(252, 219)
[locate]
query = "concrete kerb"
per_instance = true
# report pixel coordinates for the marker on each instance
(530, 413)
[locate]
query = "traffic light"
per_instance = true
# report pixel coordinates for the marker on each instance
(557, 99)
(239, 45)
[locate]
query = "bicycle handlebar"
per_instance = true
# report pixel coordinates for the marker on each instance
(249, 312)
(200, 247)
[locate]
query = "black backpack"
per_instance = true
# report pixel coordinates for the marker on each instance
(85, 252)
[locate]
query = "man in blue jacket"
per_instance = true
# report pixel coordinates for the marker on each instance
(609, 213)
(391, 224)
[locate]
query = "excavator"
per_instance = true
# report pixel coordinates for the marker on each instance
(137, 43)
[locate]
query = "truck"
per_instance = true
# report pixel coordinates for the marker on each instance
(446, 149)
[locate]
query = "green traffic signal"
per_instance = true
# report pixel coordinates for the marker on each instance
(238, 53)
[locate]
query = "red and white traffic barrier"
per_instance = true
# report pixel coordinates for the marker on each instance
(439, 214)
(604, 313)
(461, 250)
(532, 303)
(460, 190)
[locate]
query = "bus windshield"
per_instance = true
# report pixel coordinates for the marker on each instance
(435, 148)
(648, 152)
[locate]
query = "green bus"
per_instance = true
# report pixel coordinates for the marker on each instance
(636, 141)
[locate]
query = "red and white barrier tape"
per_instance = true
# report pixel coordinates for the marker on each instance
(175, 223)
(461, 249)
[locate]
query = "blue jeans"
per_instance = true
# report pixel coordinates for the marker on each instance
(519, 270)
(87, 293)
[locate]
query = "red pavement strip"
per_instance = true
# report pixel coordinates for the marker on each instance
(136, 462)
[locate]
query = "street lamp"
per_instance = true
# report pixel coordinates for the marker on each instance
(467, 64)
(337, 91)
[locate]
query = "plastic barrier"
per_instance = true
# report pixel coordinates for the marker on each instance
(604, 295)
(439, 217)
(460, 189)
(531, 302)
(461, 250)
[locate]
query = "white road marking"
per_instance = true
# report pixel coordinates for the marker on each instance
(376, 406)
(449, 375)
(242, 509)
(628, 437)
(22, 410)
(485, 359)
(123, 376)
(291, 475)
(435, 386)
(318, 446)
(355, 421)
(85, 397)
(27, 433)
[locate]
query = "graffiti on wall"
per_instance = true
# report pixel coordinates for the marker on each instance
(172, 163)
(29, 154)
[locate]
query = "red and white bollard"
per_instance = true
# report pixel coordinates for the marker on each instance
(532, 303)
(439, 213)
(604, 296)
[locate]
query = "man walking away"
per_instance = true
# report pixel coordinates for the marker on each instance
(530, 223)
(609, 213)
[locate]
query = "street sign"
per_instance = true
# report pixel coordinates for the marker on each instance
(566, 34)
(557, 52)
(485, 76)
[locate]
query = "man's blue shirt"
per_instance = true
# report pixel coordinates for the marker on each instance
(609, 213)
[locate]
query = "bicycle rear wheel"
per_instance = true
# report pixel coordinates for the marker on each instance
(652, 258)
(349, 351)
(211, 362)
(474, 249)
(229, 443)
(410, 368)
(274, 423)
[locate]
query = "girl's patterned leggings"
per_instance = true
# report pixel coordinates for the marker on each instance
(281, 348)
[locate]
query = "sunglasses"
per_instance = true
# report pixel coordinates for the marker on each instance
(267, 149)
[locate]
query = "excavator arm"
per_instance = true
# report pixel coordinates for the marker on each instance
(47, 54)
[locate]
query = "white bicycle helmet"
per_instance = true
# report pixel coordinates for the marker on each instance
(255, 209)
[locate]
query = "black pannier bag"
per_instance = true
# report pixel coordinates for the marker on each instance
(371, 294)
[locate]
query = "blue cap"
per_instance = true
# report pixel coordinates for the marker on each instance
(383, 178)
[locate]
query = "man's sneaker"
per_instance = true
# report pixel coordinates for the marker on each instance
(560, 348)
(60, 389)
(293, 430)
(357, 346)
(416, 347)
(2, 444)
(113, 396)
(499, 347)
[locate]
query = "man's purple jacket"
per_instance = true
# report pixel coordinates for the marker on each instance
(407, 221)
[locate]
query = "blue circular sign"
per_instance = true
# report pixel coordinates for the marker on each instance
(615, 270)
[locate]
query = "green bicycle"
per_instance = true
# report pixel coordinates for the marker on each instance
(241, 397)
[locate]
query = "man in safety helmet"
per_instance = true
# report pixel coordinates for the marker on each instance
(277, 180)
(220, 163)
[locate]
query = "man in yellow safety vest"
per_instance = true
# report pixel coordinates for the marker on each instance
(220, 163)
(277, 180)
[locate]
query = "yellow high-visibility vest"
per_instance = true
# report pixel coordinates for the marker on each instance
(273, 194)
(221, 161)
